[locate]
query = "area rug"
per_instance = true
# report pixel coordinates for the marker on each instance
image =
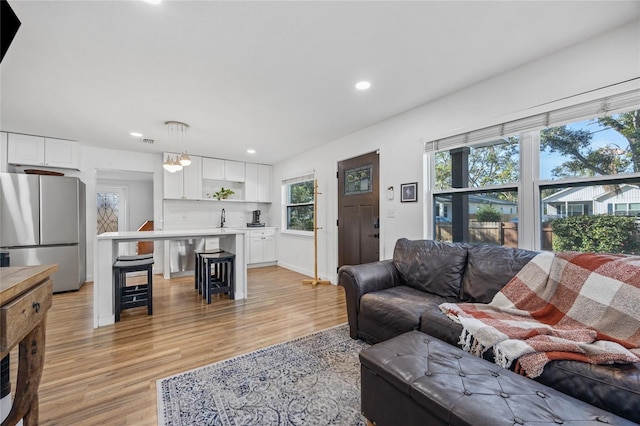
(313, 380)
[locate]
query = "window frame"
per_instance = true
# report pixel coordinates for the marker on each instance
(530, 185)
(286, 204)
(514, 186)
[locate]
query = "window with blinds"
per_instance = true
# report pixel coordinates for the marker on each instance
(299, 199)
(528, 182)
(586, 110)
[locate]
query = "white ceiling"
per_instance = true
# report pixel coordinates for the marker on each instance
(277, 77)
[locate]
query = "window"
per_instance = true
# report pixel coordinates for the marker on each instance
(480, 219)
(299, 198)
(358, 181)
(624, 209)
(572, 177)
(595, 147)
(493, 163)
(476, 212)
(597, 160)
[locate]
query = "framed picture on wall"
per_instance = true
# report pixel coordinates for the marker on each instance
(409, 192)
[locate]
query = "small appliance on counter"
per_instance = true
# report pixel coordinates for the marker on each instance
(256, 220)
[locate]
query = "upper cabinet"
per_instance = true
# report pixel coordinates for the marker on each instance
(30, 150)
(234, 171)
(264, 183)
(186, 183)
(258, 183)
(251, 182)
(214, 168)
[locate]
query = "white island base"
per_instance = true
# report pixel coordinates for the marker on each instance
(106, 251)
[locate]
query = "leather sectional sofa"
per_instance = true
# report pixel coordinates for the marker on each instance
(388, 298)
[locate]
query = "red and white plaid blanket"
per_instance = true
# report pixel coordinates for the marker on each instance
(577, 306)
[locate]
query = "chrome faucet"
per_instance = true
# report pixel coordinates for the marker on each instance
(222, 219)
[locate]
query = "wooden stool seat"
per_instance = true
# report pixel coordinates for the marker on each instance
(135, 257)
(137, 295)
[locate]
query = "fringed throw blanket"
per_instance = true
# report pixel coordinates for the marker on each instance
(577, 306)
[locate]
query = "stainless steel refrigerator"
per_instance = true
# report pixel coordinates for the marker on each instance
(42, 220)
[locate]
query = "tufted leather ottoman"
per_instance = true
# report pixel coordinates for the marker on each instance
(416, 379)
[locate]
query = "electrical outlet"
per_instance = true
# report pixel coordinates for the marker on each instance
(391, 212)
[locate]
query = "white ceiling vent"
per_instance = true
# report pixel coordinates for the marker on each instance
(149, 141)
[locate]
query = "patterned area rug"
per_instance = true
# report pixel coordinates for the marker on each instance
(313, 380)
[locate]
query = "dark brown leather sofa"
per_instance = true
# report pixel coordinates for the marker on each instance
(388, 298)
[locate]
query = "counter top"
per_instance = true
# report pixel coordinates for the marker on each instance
(164, 234)
(256, 228)
(15, 280)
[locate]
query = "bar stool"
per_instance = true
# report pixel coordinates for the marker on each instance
(136, 295)
(219, 274)
(199, 266)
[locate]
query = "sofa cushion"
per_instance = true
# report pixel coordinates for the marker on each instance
(397, 307)
(431, 266)
(489, 268)
(435, 323)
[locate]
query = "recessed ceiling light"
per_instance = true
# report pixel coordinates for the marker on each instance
(251, 151)
(136, 134)
(363, 85)
(152, 1)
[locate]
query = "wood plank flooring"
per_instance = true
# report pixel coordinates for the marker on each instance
(108, 376)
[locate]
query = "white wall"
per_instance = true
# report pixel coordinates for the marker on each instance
(576, 72)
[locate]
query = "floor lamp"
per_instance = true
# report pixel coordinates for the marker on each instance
(315, 281)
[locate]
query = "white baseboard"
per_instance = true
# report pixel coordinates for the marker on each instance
(302, 271)
(260, 265)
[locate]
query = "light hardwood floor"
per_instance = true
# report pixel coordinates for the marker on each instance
(107, 376)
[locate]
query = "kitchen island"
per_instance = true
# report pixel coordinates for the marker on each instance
(106, 251)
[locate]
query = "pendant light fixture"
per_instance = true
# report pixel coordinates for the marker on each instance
(177, 131)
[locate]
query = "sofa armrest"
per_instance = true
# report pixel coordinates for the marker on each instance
(359, 280)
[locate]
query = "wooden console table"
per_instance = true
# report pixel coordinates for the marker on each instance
(25, 297)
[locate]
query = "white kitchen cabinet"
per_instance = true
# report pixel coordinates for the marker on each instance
(258, 183)
(262, 245)
(214, 168)
(192, 175)
(234, 171)
(186, 183)
(30, 150)
(61, 153)
(25, 149)
(251, 182)
(264, 183)
(172, 182)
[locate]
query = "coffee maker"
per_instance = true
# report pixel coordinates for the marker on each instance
(256, 220)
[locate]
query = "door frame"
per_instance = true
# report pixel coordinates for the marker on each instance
(123, 211)
(377, 151)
